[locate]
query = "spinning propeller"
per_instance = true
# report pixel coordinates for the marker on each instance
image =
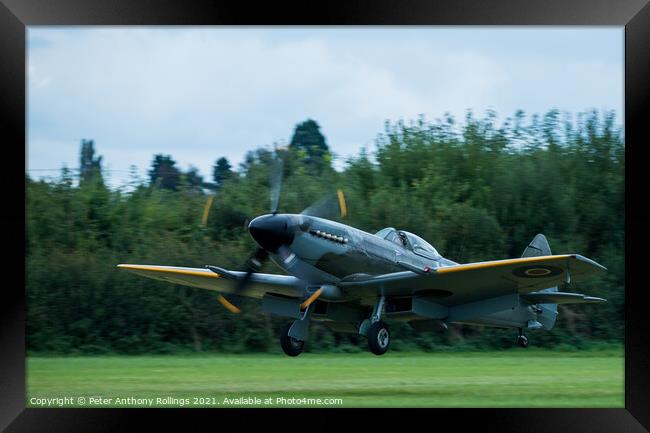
(273, 232)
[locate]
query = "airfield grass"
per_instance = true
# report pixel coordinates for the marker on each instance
(509, 378)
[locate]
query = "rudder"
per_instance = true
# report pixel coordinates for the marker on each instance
(537, 247)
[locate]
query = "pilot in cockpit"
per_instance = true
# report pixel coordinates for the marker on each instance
(401, 239)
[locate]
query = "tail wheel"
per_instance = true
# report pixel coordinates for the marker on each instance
(378, 338)
(291, 346)
(522, 341)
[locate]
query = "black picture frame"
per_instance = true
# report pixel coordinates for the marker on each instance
(15, 15)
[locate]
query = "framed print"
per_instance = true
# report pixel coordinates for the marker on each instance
(355, 205)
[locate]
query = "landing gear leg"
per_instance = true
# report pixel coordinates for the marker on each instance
(294, 335)
(521, 339)
(377, 331)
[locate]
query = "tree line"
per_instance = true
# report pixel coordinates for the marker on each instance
(476, 190)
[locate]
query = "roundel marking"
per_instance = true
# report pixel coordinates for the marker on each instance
(536, 271)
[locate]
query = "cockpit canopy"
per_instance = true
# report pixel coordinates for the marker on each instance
(409, 241)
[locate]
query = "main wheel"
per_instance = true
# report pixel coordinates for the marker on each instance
(522, 341)
(378, 338)
(290, 345)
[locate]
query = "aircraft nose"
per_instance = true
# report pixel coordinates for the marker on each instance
(272, 231)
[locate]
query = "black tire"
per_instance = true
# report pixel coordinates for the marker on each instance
(290, 345)
(378, 338)
(522, 341)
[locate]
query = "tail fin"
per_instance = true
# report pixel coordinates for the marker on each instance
(537, 247)
(547, 312)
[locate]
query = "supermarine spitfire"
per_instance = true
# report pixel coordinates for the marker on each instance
(352, 280)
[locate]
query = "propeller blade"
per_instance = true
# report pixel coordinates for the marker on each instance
(343, 207)
(253, 264)
(297, 268)
(206, 210)
(331, 206)
(229, 306)
(276, 183)
(257, 259)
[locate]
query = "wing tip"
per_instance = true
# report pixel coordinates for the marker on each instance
(128, 266)
(159, 269)
(589, 261)
(131, 267)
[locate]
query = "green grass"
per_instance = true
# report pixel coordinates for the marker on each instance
(510, 378)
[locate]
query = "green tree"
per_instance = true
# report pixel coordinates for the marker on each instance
(164, 172)
(221, 171)
(309, 144)
(90, 167)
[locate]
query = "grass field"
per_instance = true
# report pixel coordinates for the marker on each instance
(511, 378)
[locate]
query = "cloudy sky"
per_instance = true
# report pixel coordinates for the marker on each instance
(199, 93)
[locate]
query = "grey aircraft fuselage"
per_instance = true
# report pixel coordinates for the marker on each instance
(324, 251)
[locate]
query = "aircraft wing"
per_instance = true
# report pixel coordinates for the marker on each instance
(458, 284)
(222, 281)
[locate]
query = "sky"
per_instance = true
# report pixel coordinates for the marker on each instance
(200, 93)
